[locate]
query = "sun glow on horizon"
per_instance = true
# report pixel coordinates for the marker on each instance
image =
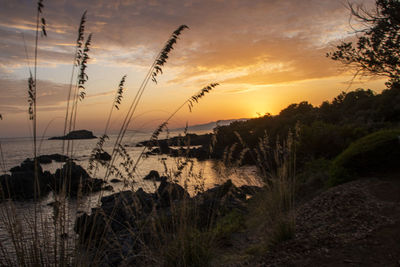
(263, 62)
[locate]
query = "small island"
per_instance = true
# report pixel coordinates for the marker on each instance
(79, 134)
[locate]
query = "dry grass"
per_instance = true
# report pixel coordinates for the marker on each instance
(42, 241)
(171, 236)
(273, 210)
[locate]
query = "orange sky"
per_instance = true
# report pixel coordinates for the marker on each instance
(265, 54)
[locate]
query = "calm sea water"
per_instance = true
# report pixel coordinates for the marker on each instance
(14, 150)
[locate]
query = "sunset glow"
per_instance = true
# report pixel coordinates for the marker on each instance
(265, 54)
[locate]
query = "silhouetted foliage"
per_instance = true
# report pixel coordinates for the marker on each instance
(120, 90)
(164, 54)
(325, 131)
(377, 50)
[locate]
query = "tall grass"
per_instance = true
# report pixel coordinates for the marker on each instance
(277, 164)
(173, 236)
(43, 241)
(272, 211)
(154, 70)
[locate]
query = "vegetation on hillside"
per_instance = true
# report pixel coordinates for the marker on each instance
(325, 131)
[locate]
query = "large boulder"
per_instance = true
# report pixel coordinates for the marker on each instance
(127, 209)
(222, 199)
(153, 175)
(21, 183)
(129, 222)
(169, 193)
(71, 177)
(45, 159)
(119, 211)
(103, 156)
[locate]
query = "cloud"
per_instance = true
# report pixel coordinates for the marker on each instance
(235, 42)
(14, 94)
(141, 27)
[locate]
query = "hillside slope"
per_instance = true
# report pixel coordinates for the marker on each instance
(354, 224)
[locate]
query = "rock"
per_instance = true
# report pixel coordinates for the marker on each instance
(139, 202)
(58, 157)
(153, 175)
(107, 188)
(44, 159)
(192, 139)
(221, 200)
(125, 208)
(90, 228)
(164, 147)
(127, 222)
(20, 184)
(74, 176)
(170, 192)
(103, 156)
(115, 180)
(80, 134)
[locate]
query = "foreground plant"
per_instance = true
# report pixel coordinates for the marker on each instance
(48, 241)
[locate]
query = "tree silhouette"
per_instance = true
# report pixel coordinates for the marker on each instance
(377, 51)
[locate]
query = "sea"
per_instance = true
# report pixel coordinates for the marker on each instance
(196, 175)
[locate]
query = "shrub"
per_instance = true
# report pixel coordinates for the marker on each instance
(378, 151)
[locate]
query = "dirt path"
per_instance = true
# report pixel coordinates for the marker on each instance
(354, 224)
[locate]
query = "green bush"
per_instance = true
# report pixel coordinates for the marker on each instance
(379, 151)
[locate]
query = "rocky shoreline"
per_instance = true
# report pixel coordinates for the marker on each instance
(130, 219)
(190, 145)
(20, 184)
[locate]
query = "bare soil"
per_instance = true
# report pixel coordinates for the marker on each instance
(354, 224)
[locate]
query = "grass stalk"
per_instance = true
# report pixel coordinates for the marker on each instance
(155, 68)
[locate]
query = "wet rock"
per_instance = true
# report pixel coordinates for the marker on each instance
(107, 188)
(170, 192)
(153, 175)
(46, 159)
(21, 183)
(117, 213)
(125, 222)
(103, 156)
(221, 200)
(72, 177)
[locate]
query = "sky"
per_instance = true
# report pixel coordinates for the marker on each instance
(265, 54)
